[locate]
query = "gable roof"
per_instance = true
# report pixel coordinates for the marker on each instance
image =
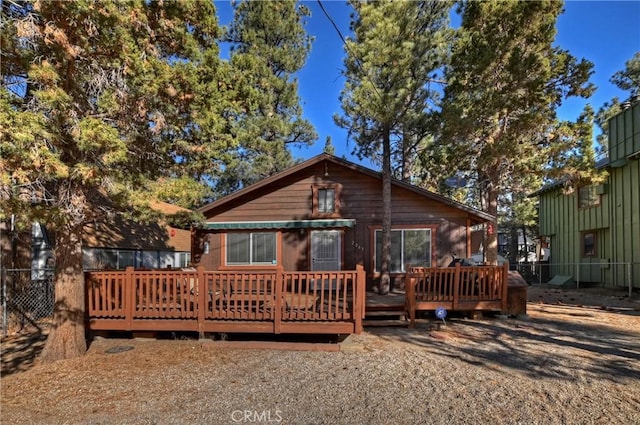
(600, 163)
(121, 233)
(480, 216)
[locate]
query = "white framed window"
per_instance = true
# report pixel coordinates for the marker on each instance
(326, 200)
(184, 259)
(408, 246)
(251, 248)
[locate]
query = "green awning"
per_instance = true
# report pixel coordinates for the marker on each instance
(290, 224)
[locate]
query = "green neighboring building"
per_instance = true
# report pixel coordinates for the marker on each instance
(594, 232)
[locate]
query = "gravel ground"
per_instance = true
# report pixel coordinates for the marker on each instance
(573, 360)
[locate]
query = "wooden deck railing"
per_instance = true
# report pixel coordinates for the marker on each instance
(456, 288)
(228, 301)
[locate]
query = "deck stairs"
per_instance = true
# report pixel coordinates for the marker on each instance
(385, 310)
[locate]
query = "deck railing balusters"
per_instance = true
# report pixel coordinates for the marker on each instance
(200, 300)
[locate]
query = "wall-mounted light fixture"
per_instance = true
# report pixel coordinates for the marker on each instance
(326, 170)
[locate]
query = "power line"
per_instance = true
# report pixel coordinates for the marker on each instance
(346, 46)
(333, 23)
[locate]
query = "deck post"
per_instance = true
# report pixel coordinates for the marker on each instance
(505, 286)
(359, 302)
(456, 287)
(201, 300)
(129, 296)
(410, 299)
(279, 304)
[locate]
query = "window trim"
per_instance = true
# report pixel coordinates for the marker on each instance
(431, 227)
(315, 189)
(258, 266)
(583, 237)
(596, 197)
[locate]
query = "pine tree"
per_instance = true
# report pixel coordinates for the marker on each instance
(396, 49)
(628, 80)
(328, 146)
(269, 45)
(505, 82)
(99, 103)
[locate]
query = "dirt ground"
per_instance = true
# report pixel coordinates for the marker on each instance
(575, 358)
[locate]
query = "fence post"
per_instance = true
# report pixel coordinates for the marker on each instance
(358, 299)
(456, 287)
(201, 302)
(130, 296)
(410, 299)
(277, 314)
(539, 273)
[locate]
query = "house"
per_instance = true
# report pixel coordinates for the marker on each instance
(326, 214)
(594, 232)
(120, 243)
(113, 244)
(295, 253)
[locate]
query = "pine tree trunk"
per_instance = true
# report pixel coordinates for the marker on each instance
(524, 241)
(385, 277)
(491, 251)
(407, 160)
(67, 334)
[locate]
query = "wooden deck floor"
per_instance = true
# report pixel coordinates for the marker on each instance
(392, 301)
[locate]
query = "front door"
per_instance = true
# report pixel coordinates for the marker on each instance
(325, 250)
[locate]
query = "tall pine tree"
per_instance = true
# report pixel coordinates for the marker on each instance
(391, 59)
(102, 100)
(505, 82)
(269, 45)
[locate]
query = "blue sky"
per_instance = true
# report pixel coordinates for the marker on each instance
(605, 32)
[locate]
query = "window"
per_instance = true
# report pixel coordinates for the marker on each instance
(326, 200)
(105, 259)
(251, 248)
(206, 247)
(408, 246)
(184, 259)
(589, 244)
(126, 259)
(588, 197)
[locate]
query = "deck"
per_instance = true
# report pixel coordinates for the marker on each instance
(234, 301)
(457, 289)
(276, 301)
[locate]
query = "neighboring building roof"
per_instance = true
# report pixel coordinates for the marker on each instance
(167, 208)
(127, 234)
(480, 216)
(601, 163)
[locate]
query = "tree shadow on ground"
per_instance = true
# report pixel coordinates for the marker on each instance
(547, 347)
(19, 352)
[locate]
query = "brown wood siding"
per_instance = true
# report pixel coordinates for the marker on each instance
(361, 199)
(294, 250)
(210, 261)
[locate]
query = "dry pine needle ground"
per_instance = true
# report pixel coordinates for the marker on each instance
(574, 360)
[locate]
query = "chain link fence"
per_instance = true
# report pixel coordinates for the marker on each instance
(27, 299)
(600, 274)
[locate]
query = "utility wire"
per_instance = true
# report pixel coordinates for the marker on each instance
(346, 46)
